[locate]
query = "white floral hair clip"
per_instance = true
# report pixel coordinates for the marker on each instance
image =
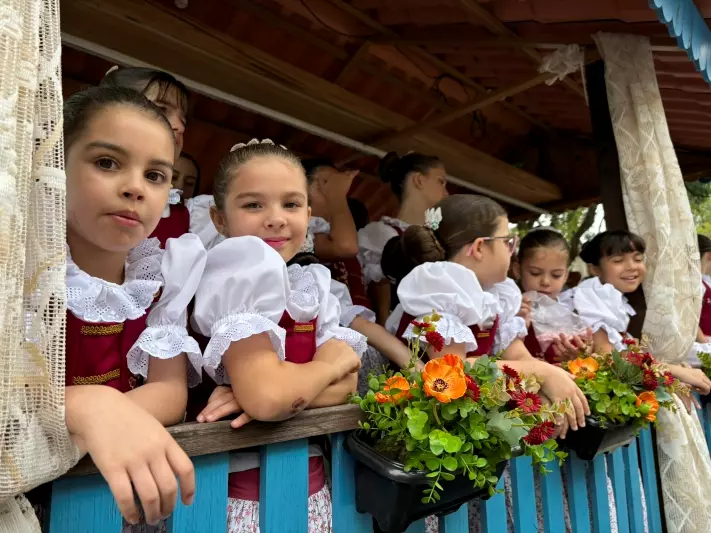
(239, 146)
(433, 217)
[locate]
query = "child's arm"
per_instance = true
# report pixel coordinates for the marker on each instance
(380, 339)
(336, 394)
(380, 296)
(131, 449)
(601, 342)
(165, 394)
(342, 241)
(700, 337)
(269, 389)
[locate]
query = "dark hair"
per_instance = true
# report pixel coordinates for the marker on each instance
(313, 164)
(142, 79)
(304, 259)
(190, 158)
(395, 170)
(465, 218)
(542, 238)
(609, 243)
(81, 107)
(704, 244)
(359, 212)
(240, 156)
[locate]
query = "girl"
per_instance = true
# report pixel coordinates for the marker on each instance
(171, 96)
(126, 299)
(703, 336)
(419, 182)
(616, 260)
(542, 267)
(186, 176)
(269, 320)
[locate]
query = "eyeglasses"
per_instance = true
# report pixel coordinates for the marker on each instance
(511, 241)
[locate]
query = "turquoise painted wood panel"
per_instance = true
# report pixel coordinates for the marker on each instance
(649, 479)
(457, 522)
(83, 505)
(284, 487)
(524, 500)
(417, 527)
(705, 419)
(208, 513)
(552, 500)
(493, 511)
(687, 25)
(599, 495)
(577, 489)
(345, 516)
(616, 469)
(633, 481)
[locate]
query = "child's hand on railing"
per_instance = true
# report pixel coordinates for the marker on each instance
(340, 355)
(568, 348)
(558, 386)
(693, 377)
(222, 403)
(132, 450)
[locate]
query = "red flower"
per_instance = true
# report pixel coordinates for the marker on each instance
(473, 391)
(668, 379)
(649, 380)
(435, 340)
(630, 342)
(529, 402)
(512, 374)
(634, 358)
(540, 433)
(647, 359)
(421, 325)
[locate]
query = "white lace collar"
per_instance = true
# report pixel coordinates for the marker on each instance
(173, 199)
(399, 224)
(304, 296)
(615, 301)
(96, 300)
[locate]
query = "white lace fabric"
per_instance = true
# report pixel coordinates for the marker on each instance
(602, 306)
(349, 312)
(657, 208)
(371, 242)
(173, 199)
(452, 329)
(96, 300)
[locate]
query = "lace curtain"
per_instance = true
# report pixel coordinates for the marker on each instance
(657, 208)
(34, 443)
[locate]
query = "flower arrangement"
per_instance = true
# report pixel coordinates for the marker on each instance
(627, 387)
(705, 359)
(457, 418)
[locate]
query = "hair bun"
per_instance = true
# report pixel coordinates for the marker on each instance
(388, 167)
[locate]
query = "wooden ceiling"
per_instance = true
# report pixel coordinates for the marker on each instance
(455, 78)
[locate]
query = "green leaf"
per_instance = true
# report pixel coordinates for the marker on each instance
(452, 444)
(432, 463)
(450, 463)
(447, 476)
(373, 383)
(433, 474)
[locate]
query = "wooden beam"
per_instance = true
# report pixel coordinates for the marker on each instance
(188, 48)
(497, 27)
(434, 60)
(351, 66)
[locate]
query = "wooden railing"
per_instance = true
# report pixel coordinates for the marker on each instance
(82, 503)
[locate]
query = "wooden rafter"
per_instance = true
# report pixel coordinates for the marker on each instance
(350, 68)
(170, 40)
(497, 27)
(432, 59)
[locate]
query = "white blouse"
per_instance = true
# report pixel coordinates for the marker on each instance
(177, 270)
(317, 225)
(602, 307)
(371, 241)
(245, 290)
(173, 199)
(349, 311)
(455, 293)
(200, 222)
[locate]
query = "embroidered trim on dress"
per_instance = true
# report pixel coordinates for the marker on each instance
(97, 380)
(101, 331)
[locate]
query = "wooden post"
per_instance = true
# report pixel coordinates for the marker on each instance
(608, 169)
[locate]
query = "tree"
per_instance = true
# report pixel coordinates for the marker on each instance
(700, 202)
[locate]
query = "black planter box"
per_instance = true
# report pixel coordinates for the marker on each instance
(393, 496)
(593, 440)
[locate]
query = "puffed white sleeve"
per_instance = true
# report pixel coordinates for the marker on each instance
(603, 307)
(511, 327)
(349, 311)
(454, 292)
(697, 348)
(166, 335)
(328, 325)
(200, 222)
(319, 225)
(242, 293)
(371, 242)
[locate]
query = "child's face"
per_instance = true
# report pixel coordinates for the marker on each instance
(544, 270)
(185, 176)
(170, 104)
(434, 185)
(625, 272)
(267, 198)
(490, 258)
(119, 171)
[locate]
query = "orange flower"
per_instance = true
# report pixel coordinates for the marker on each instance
(650, 399)
(444, 378)
(583, 368)
(395, 382)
